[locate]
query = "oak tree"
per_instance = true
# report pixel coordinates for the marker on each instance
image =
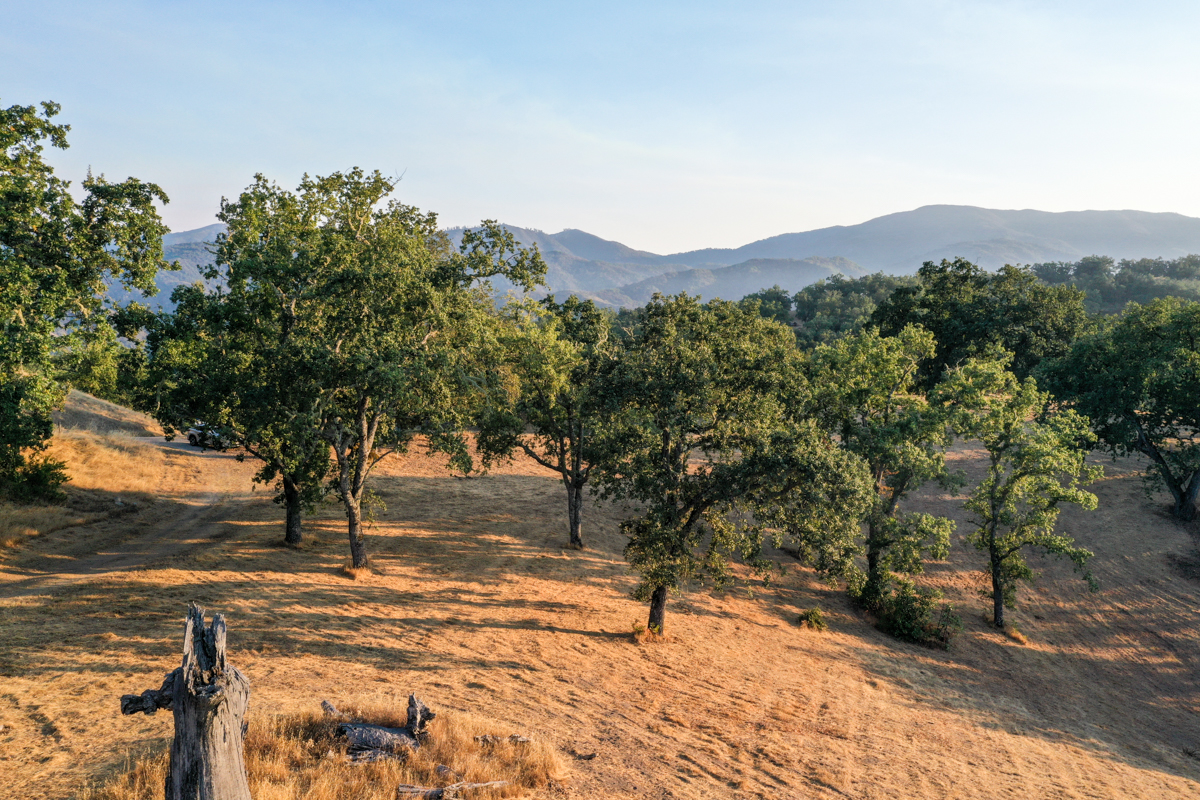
(969, 310)
(1035, 464)
(702, 433)
(553, 352)
(867, 392)
(1137, 379)
(389, 328)
(58, 256)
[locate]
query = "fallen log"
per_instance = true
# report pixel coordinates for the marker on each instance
(209, 698)
(367, 742)
(363, 737)
(444, 793)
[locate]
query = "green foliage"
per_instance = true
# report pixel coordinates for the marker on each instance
(1137, 379)
(552, 353)
(38, 479)
(906, 611)
(1036, 463)
(57, 258)
(1110, 287)
(813, 618)
(867, 393)
(969, 311)
(840, 306)
(354, 318)
(705, 421)
(773, 304)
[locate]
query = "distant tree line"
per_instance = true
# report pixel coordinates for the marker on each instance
(1109, 286)
(339, 326)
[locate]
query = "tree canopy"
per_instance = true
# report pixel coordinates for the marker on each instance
(867, 393)
(703, 424)
(1137, 379)
(553, 352)
(57, 256)
(1109, 286)
(969, 310)
(840, 306)
(388, 327)
(1035, 464)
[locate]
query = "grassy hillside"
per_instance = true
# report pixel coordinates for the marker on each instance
(474, 603)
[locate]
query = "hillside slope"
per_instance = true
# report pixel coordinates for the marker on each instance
(474, 604)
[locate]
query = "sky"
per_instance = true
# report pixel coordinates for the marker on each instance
(668, 126)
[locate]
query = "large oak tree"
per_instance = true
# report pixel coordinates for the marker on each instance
(708, 432)
(57, 258)
(388, 327)
(1138, 380)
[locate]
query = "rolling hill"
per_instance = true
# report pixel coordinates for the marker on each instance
(615, 274)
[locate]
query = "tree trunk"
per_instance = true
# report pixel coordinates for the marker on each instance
(658, 609)
(1185, 500)
(575, 514)
(997, 593)
(291, 499)
(358, 548)
(872, 595)
(1184, 495)
(209, 699)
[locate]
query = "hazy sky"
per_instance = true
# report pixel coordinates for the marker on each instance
(667, 126)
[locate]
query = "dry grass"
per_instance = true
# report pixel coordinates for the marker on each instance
(20, 522)
(354, 573)
(110, 461)
(1014, 634)
(109, 470)
(475, 603)
(295, 756)
(84, 412)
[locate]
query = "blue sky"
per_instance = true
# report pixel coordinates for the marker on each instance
(667, 126)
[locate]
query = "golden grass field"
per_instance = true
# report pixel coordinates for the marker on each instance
(474, 603)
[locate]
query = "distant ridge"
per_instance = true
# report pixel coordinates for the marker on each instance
(734, 282)
(899, 243)
(615, 274)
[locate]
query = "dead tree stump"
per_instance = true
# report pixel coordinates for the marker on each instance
(209, 699)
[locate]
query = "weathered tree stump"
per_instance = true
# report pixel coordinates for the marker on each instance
(209, 699)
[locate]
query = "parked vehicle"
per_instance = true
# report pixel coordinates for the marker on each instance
(206, 437)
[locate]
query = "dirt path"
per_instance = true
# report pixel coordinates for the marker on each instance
(193, 490)
(187, 525)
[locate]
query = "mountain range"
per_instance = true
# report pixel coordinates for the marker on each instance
(617, 275)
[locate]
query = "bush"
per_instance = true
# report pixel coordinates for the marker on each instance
(37, 480)
(907, 612)
(813, 618)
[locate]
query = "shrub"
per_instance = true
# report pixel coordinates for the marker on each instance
(38, 480)
(813, 618)
(907, 612)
